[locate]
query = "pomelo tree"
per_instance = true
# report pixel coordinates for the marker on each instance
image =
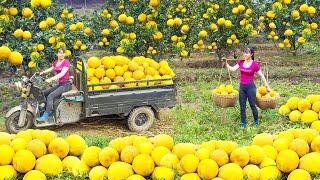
(291, 24)
(224, 25)
(132, 27)
(36, 29)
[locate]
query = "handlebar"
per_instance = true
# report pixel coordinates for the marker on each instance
(35, 74)
(33, 77)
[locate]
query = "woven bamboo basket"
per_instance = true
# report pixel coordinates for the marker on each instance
(267, 103)
(225, 101)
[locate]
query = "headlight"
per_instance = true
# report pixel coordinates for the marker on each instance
(25, 79)
(24, 90)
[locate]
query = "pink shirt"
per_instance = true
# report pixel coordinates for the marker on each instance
(247, 74)
(57, 69)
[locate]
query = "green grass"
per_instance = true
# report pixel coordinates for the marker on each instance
(2, 120)
(8, 100)
(92, 140)
(197, 119)
(100, 141)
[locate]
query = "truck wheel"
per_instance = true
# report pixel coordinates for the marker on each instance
(140, 119)
(12, 122)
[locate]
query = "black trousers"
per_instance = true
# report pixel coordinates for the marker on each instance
(55, 92)
(248, 92)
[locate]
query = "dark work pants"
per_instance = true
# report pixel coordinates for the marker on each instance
(55, 92)
(248, 91)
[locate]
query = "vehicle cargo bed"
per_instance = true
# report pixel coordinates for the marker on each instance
(122, 101)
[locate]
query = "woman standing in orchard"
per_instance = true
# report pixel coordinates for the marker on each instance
(61, 67)
(248, 67)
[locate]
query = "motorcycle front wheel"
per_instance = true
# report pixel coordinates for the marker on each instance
(12, 122)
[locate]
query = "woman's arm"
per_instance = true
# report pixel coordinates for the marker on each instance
(47, 70)
(264, 80)
(60, 75)
(232, 68)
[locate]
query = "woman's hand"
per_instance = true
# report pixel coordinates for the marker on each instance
(46, 71)
(269, 89)
(48, 80)
(231, 68)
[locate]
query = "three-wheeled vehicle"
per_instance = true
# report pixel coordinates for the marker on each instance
(138, 105)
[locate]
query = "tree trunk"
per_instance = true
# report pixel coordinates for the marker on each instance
(295, 48)
(219, 53)
(235, 54)
(294, 52)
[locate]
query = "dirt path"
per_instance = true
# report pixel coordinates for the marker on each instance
(106, 126)
(114, 127)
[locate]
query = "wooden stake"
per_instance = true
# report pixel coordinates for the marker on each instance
(224, 116)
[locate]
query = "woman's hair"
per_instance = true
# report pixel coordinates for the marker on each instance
(60, 49)
(251, 50)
